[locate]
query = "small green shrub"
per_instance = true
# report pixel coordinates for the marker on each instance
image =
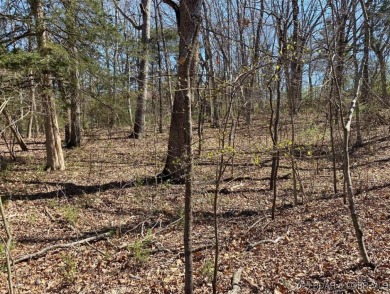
(70, 214)
(207, 269)
(86, 201)
(68, 268)
(140, 250)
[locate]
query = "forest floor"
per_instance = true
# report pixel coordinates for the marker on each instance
(308, 248)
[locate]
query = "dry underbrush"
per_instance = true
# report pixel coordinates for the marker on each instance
(308, 246)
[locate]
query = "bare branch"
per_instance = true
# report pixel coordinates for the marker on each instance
(175, 7)
(127, 17)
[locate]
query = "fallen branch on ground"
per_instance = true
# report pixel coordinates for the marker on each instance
(253, 245)
(61, 246)
(236, 282)
(249, 281)
(256, 222)
(235, 179)
(199, 249)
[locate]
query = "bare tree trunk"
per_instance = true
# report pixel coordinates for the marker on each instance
(128, 81)
(274, 123)
(188, 46)
(383, 74)
(333, 149)
(74, 87)
(179, 159)
(15, 131)
(8, 244)
(75, 108)
(359, 140)
(274, 131)
(166, 60)
(159, 62)
(275, 138)
(140, 112)
(55, 157)
(143, 74)
(348, 180)
(188, 200)
(346, 124)
(210, 70)
(33, 116)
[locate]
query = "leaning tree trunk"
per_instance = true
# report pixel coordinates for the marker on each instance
(348, 180)
(55, 157)
(15, 131)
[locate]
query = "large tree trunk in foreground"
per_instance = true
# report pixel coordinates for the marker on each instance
(55, 157)
(178, 164)
(188, 47)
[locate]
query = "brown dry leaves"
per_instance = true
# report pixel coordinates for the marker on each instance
(317, 251)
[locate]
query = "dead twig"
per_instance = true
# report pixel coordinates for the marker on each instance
(256, 222)
(255, 288)
(253, 245)
(50, 216)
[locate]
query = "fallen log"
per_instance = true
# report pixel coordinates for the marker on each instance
(61, 246)
(236, 289)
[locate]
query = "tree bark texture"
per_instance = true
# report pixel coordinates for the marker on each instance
(188, 47)
(55, 157)
(74, 87)
(139, 124)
